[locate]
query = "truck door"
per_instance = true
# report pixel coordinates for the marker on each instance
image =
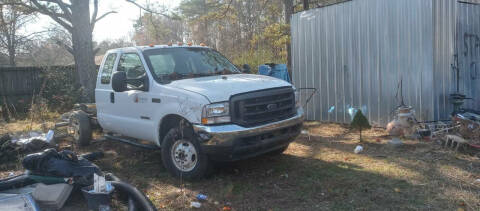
(103, 90)
(126, 110)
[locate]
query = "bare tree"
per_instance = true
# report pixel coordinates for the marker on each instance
(74, 16)
(12, 20)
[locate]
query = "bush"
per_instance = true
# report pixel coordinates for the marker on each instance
(60, 88)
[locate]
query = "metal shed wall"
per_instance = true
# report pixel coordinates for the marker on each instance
(445, 20)
(355, 53)
(468, 52)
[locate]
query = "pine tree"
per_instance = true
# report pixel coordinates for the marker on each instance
(360, 122)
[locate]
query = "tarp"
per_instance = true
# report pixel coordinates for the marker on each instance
(279, 71)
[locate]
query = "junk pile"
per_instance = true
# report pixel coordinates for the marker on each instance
(12, 146)
(468, 126)
(462, 131)
(52, 176)
(403, 123)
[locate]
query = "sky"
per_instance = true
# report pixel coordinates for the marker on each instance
(114, 26)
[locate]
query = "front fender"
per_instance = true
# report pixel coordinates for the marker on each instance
(181, 103)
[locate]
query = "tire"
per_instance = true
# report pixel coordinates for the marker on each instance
(81, 128)
(279, 151)
(183, 157)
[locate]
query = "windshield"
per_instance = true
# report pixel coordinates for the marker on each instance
(179, 63)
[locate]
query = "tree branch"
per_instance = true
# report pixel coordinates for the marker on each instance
(55, 16)
(94, 15)
(67, 47)
(101, 17)
(95, 50)
(65, 7)
(147, 9)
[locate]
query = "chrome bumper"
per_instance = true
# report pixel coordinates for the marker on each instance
(225, 135)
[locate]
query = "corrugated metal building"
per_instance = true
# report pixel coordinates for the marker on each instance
(355, 53)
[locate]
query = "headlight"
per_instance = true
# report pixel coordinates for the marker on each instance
(297, 98)
(216, 113)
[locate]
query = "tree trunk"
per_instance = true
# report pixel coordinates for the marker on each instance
(360, 135)
(11, 56)
(288, 6)
(83, 47)
(306, 6)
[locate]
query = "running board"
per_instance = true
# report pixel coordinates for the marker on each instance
(131, 142)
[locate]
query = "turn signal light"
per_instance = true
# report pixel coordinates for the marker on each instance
(204, 121)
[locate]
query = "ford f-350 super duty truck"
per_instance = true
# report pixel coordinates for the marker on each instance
(193, 104)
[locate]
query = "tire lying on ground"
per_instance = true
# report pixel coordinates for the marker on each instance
(183, 156)
(81, 128)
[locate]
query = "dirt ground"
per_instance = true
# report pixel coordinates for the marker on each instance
(319, 171)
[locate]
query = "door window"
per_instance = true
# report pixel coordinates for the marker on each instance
(108, 68)
(132, 65)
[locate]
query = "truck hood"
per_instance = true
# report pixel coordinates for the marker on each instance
(220, 88)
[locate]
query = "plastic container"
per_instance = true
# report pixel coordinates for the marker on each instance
(94, 200)
(358, 149)
(195, 204)
(201, 197)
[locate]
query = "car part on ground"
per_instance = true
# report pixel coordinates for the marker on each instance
(47, 161)
(18, 202)
(52, 196)
(18, 181)
(81, 128)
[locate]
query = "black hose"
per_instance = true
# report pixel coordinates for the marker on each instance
(135, 197)
(141, 201)
(131, 204)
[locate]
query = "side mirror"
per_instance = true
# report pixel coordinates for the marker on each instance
(246, 68)
(119, 81)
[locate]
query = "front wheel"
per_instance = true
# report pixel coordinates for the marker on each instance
(279, 151)
(183, 157)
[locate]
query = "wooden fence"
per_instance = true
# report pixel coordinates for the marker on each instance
(19, 84)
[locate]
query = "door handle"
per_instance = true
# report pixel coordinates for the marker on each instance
(112, 97)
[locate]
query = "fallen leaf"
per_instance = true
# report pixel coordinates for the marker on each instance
(397, 190)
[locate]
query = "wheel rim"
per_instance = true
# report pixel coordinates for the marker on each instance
(184, 155)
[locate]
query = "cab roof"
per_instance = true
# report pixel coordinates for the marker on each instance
(145, 47)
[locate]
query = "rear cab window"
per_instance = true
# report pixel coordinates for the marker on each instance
(107, 69)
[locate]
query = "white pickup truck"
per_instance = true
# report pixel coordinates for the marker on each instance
(193, 103)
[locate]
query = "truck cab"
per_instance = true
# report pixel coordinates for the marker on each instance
(195, 105)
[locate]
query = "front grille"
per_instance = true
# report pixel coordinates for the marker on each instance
(262, 107)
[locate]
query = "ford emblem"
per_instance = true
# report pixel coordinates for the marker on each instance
(271, 107)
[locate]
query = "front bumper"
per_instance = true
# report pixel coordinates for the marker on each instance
(233, 142)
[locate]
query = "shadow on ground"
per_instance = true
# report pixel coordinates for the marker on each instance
(291, 181)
